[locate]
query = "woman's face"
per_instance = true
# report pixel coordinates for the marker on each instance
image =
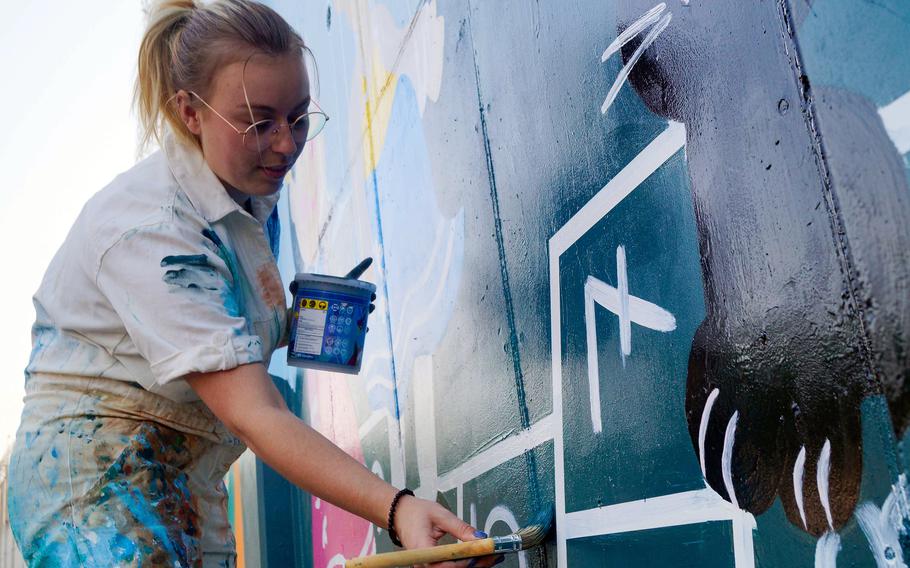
(278, 89)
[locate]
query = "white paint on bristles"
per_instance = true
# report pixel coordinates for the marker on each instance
(826, 550)
(822, 474)
(659, 24)
(798, 470)
(896, 118)
(726, 458)
(703, 429)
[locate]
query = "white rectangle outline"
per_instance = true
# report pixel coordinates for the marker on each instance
(683, 508)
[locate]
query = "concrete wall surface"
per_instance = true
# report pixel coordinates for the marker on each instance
(648, 263)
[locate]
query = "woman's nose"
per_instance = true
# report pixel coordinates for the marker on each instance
(283, 142)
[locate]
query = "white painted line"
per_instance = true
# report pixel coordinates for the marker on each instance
(510, 448)
(743, 549)
(703, 429)
(798, 470)
(896, 117)
(622, 285)
(425, 423)
(501, 514)
(726, 458)
(822, 473)
(593, 359)
(559, 467)
(638, 170)
(374, 420)
(690, 507)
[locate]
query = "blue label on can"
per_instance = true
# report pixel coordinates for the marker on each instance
(328, 327)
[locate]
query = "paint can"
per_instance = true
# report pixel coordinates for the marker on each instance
(329, 322)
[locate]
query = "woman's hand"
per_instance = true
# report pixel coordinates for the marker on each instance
(421, 523)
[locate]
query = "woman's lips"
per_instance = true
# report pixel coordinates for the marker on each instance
(274, 172)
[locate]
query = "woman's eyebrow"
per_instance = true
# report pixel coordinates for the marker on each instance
(267, 109)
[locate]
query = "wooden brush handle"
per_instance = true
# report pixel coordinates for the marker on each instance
(469, 549)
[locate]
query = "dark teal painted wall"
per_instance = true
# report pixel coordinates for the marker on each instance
(751, 176)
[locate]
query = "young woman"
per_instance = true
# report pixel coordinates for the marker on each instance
(157, 317)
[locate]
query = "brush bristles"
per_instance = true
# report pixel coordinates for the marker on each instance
(535, 533)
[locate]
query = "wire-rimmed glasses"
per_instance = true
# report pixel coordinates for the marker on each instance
(262, 134)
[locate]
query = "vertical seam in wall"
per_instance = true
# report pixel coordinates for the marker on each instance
(838, 231)
(530, 457)
(382, 255)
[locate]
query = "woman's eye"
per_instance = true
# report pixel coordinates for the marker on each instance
(263, 127)
(301, 124)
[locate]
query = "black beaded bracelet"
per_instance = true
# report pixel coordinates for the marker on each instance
(393, 534)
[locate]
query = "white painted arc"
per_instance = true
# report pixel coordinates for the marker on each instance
(336, 561)
(703, 429)
(822, 474)
(798, 470)
(421, 282)
(623, 74)
(826, 550)
(726, 459)
(501, 514)
(633, 30)
(641, 312)
(622, 287)
(896, 118)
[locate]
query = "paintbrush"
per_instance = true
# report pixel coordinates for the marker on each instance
(528, 537)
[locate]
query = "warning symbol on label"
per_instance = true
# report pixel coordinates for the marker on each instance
(313, 304)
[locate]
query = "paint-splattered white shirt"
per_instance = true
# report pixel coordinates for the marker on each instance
(162, 274)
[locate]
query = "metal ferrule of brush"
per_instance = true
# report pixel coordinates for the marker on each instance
(510, 543)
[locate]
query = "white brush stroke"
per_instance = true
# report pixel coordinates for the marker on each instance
(336, 561)
(623, 74)
(822, 474)
(703, 429)
(633, 30)
(726, 459)
(896, 118)
(798, 470)
(884, 527)
(630, 310)
(826, 550)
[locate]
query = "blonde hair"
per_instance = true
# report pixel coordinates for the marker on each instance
(186, 42)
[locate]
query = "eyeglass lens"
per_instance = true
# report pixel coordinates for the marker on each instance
(263, 134)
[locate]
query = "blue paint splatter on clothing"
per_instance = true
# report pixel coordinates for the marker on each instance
(273, 230)
(232, 294)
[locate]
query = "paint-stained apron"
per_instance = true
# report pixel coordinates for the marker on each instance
(105, 473)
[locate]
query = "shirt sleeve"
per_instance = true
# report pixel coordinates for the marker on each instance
(179, 295)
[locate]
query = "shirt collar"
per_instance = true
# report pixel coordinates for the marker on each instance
(204, 190)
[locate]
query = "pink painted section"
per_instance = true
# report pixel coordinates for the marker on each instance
(336, 533)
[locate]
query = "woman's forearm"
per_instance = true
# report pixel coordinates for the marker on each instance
(313, 463)
(245, 399)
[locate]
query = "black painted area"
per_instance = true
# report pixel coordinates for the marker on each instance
(806, 306)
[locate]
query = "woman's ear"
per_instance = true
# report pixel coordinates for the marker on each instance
(187, 112)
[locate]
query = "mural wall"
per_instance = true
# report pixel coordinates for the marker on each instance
(646, 262)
